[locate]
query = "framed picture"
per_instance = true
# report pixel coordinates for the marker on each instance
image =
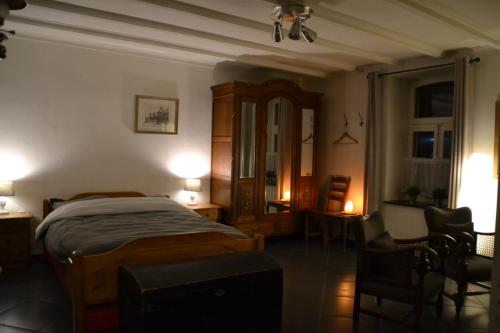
(156, 114)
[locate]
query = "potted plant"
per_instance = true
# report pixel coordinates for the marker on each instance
(439, 194)
(413, 192)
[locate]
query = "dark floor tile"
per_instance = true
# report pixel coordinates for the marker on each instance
(31, 314)
(8, 329)
(63, 323)
(9, 301)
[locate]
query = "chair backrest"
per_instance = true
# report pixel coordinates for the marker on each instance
(368, 229)
(337, 192)
(448, 221)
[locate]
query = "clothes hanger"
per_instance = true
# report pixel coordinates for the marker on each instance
(345, 135)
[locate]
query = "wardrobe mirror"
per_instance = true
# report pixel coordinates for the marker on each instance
(278, 156)
(306, 156)
(247, 140)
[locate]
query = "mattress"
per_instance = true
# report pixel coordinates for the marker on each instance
(100, 225)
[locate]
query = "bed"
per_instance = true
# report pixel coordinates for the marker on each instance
(89, 274)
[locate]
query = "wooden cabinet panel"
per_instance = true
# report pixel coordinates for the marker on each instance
(15, 240)
(246, 202)
(222, 123)
(306, 195)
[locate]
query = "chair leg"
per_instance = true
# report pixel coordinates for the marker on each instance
(459, 297)
(439, 305)
(419, 309)
(379, 301)
(306, 228)
(355, 312)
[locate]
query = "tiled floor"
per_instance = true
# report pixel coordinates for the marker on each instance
(319, 289)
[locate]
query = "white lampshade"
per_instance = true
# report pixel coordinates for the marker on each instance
(349, 207)
(193, 185)
(6, 189)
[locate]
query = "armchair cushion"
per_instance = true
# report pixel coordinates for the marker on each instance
(478, 268)
(383, 242)
(454, 228)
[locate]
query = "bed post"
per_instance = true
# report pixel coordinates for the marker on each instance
(77, 292)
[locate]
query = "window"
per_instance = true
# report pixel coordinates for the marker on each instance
(423, 144)
(434, 100)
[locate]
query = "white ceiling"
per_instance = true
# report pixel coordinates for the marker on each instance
(351, 33)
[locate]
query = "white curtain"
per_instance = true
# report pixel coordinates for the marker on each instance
(427, 174)
(464, 90)
(374, 148)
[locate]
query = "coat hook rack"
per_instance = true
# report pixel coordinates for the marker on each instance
(361, 122)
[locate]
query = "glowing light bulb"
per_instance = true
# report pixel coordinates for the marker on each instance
(286, 196)
(349, 207)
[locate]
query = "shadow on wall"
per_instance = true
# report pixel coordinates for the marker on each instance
(228, 71)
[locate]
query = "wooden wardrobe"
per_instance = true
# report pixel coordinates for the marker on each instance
(264, 155)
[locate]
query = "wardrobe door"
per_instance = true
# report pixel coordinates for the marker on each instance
(278, 156)
(307, 144)
(247, 161)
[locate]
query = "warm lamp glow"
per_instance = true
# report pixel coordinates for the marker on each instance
(192, 185)
(6, 190)
(349, 207)
(189, 166)
(12, 167)
(286, 196)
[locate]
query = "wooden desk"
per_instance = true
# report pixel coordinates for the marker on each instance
(15, 240)
(326, 219)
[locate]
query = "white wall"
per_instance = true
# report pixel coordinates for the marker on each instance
(67, 123)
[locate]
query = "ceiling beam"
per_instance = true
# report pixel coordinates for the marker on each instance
(446, 14)
(256, 25)
(252, 60)
(332, 64)
(333, 16)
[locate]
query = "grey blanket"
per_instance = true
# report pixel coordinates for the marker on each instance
(101, 233)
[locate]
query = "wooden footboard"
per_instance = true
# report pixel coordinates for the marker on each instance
(93, 279)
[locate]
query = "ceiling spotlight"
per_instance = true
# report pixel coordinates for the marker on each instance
(297, 13)
(277, 32)
(308, 35)
(3, 52)
(295, 30)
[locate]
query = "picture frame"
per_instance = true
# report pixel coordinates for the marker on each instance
(159, 115)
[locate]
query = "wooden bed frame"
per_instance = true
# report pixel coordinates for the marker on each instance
(91, 280)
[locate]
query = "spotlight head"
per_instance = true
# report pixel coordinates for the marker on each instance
(294, 33)
(3, 52)
(308, 35)
(3, 37)
(277, 32)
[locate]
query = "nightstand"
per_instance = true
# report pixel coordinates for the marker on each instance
(15, 240)
(209, 211)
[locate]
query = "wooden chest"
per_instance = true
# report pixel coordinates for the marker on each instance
(237, 292)
(15, 240)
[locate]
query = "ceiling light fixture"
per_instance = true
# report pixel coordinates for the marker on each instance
(297, 13)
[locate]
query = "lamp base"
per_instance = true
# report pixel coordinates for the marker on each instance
(4, 212)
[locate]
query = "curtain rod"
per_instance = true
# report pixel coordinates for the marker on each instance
(427, 67)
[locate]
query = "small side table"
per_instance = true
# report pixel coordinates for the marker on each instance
(327, 218)
(209, 211)
(15, 240)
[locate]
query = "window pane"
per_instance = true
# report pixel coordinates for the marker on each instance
(447, 138)
(423, 144)
(434, 100)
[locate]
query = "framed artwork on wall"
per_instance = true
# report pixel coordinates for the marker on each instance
(156, 114)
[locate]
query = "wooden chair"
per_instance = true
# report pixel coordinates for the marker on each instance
(402, 270)
(317, 220)
(468, 263)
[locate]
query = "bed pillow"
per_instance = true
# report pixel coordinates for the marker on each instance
(56, 203)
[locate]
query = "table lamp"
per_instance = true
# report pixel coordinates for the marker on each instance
(349, 207)
(6, 190)
(192, 185)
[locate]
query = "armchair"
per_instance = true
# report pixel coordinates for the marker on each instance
(471, 258)
(403, 270)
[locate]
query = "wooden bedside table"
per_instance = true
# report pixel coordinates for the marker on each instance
(15, 240)
(209, 211)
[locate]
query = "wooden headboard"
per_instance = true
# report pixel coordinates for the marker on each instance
(47, 208)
